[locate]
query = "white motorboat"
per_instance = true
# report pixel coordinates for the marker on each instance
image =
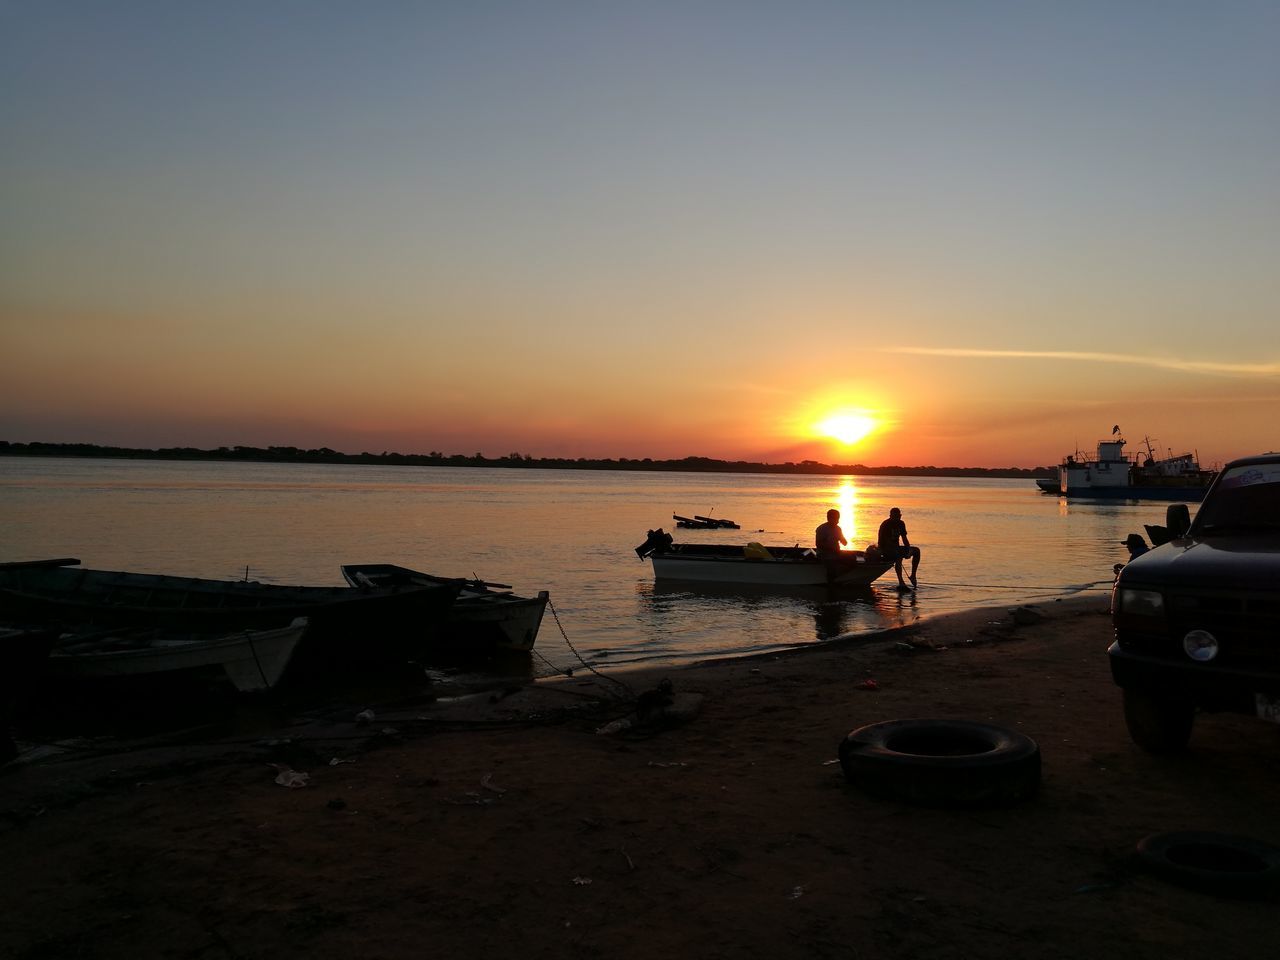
(757, 564)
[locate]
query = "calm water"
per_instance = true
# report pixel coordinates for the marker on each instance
(985, 542)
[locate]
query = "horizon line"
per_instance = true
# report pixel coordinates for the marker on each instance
(442, 459)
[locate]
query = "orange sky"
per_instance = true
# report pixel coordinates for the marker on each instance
(628, 232)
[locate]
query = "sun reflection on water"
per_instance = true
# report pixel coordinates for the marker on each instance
(847, 504)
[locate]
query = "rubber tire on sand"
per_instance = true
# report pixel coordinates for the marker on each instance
(942, 762)
(1217, 863)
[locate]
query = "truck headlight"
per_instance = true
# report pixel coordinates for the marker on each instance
(1140, 603)
(1200, 645)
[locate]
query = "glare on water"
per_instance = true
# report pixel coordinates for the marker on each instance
(984, 542)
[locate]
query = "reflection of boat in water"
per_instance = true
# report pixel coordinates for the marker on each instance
(748, 593)
(1113, 474)
(756, 564)
(833, 612)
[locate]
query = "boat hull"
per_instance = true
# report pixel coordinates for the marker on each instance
(253, 661)
(1171, 493)
(101, 597)
(505, 626)
(1114, 475)
(479, 617)
(686, 564)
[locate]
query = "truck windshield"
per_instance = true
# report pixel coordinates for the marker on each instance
(1246, 500)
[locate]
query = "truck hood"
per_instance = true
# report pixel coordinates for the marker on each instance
(1235, 562)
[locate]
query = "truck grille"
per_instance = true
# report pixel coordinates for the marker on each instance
(1247, 626)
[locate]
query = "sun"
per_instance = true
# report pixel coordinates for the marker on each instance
(848, 428)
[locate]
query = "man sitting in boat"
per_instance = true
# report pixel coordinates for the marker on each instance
(829, 537)
(891, 531)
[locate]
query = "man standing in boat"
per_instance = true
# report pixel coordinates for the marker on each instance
(829, 538)
(891, 531)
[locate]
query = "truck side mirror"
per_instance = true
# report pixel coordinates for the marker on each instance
(1177, 518)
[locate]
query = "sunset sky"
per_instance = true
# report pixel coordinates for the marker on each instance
(991, 231)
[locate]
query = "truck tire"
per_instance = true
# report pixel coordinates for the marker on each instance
(942, 762)
(1217, 863)
(1158, 724)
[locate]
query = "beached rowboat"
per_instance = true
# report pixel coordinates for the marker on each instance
(75, 595)
(483, 615)
(755, 564)
(252, 660)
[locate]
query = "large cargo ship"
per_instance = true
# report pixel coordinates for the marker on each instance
(1113, 474)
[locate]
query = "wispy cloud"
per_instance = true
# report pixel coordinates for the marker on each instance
(1162, 363)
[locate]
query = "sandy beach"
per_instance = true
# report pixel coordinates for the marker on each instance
(504, 825)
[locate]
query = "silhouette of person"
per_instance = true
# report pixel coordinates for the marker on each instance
(891, 531)
(828, 537)
(1136, 545)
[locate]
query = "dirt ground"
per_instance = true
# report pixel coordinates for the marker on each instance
(506, 826)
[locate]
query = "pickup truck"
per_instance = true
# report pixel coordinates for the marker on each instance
(1197, 619)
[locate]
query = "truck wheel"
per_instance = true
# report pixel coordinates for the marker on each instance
(1158, 724)
(1217, 863)
(942, 762)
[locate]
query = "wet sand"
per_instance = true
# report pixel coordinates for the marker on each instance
(504, 825)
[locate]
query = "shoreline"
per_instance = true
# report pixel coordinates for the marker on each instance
(325, 456)
(1083, 594)
(508, 825)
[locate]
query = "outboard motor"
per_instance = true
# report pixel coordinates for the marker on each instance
(1177, 520)
(1177, 517)
(657, 542)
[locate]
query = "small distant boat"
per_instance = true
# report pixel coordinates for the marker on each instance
(697, 522)
(252, 660)
(483, 615)
(757, 564)
(1113, 474)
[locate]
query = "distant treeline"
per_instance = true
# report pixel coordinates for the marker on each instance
(512, 460)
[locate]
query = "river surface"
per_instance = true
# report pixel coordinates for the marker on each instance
(984, 542)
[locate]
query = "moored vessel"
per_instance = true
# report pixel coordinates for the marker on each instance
(253, 661)
(756, 564)
(484, 615)
(1113, 474)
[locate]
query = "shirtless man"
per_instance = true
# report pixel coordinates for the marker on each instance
(891, 531)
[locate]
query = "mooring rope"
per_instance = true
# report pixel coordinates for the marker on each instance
(552, 607)
(1058, 587)
(248, 634)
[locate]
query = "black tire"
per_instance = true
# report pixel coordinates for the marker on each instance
(942, 762)
(1217, 863)
(1158, 724)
